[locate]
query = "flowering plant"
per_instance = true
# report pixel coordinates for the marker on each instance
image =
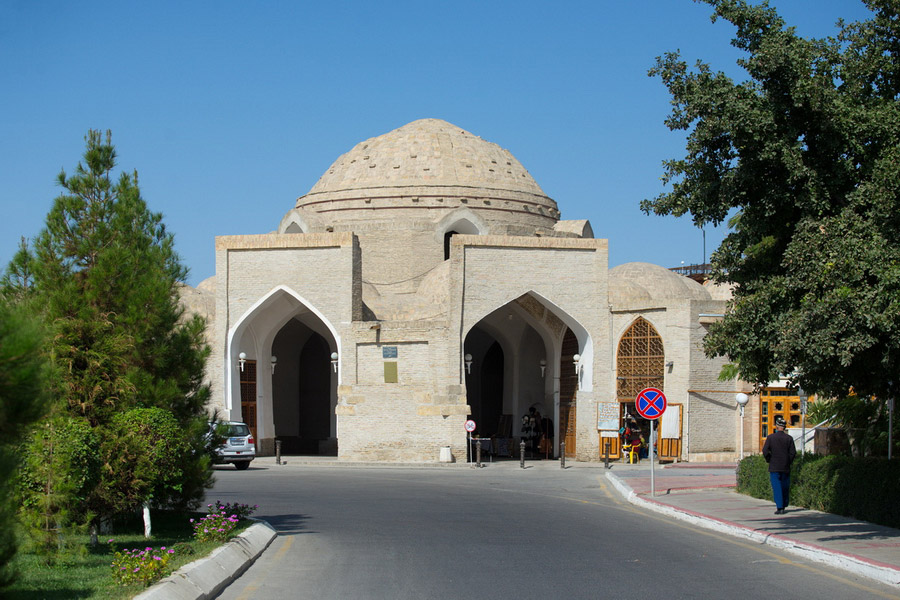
(220, 521)
(241, 511)
(215, 527)
(136, 565)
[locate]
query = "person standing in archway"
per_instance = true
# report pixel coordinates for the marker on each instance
(779, 451)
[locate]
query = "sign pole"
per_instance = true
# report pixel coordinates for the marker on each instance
(651, 404)
(652, 480)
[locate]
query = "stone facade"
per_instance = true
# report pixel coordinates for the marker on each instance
(426, 279)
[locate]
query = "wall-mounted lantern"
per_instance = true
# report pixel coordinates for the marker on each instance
(543, 367)
(576, 360)
(468, 359)
(242, 358)
(334, 361)
(274, 360)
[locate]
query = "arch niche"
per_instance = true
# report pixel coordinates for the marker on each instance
(522, 359)
(296, 394)
(640, 363)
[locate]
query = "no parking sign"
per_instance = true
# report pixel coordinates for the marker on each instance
(650, 403)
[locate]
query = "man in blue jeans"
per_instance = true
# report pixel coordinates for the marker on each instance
(779, 451)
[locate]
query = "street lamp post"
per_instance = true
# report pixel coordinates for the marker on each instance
(804, 397)
(742, 399)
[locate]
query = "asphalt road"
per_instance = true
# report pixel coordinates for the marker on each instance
(499, 532)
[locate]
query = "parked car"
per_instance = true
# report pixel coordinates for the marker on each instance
(238, 446)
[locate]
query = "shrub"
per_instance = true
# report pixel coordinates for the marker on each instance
(753, 477)
(140, 566)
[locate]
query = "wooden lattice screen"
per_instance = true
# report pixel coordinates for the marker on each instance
(641, 361)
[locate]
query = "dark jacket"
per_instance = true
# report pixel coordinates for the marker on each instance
(779, 451)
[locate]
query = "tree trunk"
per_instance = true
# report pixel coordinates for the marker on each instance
(146, 512)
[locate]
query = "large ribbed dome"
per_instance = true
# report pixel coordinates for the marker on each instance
(427, 152)
(424, 163)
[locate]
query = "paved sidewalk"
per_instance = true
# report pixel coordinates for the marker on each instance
(704, 495)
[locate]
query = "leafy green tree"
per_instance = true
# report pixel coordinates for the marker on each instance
(58, 473)
(106, 276)
(802, 159)
(23, 369)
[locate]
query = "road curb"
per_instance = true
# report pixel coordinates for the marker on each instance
(206, 577)
(883, 573)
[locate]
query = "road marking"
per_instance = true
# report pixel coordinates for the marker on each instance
(254, 586)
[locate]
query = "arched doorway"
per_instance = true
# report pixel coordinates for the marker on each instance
(640, 363)
(302, 390)
(521, 369)
(295, 386)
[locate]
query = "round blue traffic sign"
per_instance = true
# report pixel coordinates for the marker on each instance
(650, 403)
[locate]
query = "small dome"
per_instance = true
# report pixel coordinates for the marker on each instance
(718, 291)
(639, 281)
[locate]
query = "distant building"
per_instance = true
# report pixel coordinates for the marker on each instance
(426, 279)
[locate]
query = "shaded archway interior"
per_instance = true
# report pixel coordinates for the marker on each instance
(303, 390)
(512, 379)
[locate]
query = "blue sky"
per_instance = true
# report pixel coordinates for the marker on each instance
(229, 111)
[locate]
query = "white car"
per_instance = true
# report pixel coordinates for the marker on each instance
(238, 447)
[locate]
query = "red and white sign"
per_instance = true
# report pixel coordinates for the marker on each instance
(650, 403)
(470, 425)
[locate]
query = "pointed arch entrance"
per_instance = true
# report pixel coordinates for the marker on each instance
(522, 381)
(640, 364)
(290, 343)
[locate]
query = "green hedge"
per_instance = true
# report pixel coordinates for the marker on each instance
(862, 488)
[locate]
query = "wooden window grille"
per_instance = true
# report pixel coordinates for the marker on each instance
(640, 361)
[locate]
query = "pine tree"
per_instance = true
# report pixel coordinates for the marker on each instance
(23, 368)
(105, 272)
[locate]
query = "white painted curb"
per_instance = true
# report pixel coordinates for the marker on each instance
(883, 574)
(206, 577)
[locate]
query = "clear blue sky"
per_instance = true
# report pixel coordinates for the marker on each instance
(229, 111)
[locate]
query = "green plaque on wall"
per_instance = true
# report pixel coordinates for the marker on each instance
(390, 372)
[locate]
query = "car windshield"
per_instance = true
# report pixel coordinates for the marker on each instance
(237, 429)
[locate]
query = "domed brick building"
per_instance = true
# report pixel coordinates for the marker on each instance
(426, 279)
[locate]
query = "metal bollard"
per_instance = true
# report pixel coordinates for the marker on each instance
(277, 452)
(562, 455)
(478, 454)
(522, 454)
(606, 458)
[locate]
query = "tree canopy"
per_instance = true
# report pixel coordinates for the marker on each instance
(801, 158)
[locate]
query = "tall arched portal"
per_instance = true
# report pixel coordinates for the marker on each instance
(294, 392)
(521, 368)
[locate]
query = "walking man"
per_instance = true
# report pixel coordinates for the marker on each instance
(779, 451)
